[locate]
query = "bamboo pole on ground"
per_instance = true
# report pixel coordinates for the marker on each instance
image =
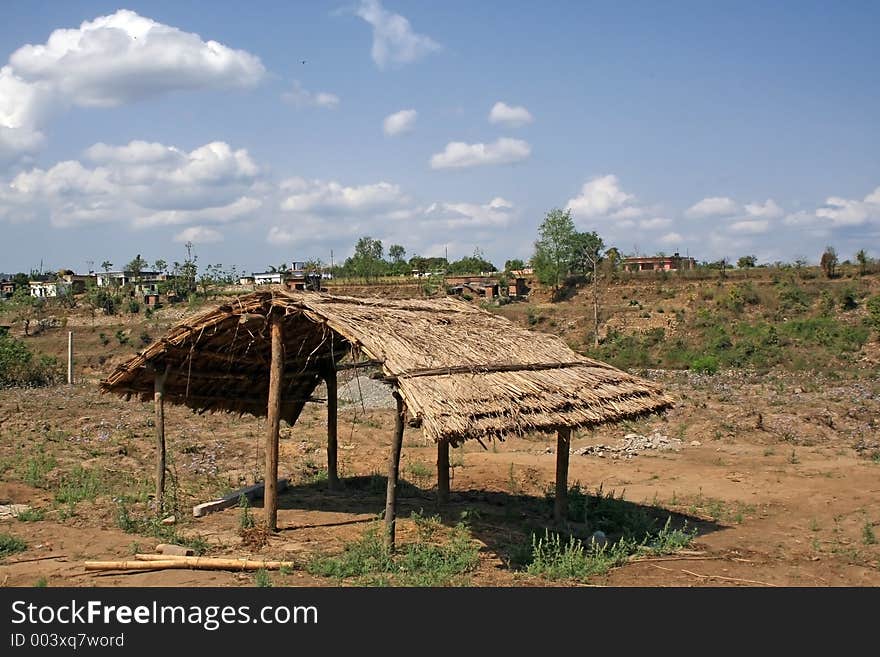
(332, 473)
(163, 561)
(70, 357)
(393, 472)
(159, 404)
(442, 471)
(273, 421)
(563, 446)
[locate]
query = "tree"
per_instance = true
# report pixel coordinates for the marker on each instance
(106, 266)
(21, 280)
(136, 266)
(396, 252)
(367, 259)
(474, 264)
(161, 265)
(514, 265)
(553, 249)
(829, 261)
(747, 262)
(586, 252)
(862, 259)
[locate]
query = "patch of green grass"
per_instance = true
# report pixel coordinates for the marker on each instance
(556, 558)
(10, 545)
(152, 526)
(262, 578)
(428, 561)
(419, 471)
(814, 525)
(77, 485)
(31, 515)
(35, 469)
(41, 583)
(868, 536)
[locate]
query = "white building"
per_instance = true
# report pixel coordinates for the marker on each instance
(268, 278)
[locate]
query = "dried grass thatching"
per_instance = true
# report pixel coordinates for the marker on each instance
(462, 371)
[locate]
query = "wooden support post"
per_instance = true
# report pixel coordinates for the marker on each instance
(563, 445)
(70, 357)
(159, 403)
(332, 473)
(273, 421)
(393, 471)
(442, 472)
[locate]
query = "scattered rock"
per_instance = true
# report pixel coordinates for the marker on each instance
(695, 443)
(12, 510)
(169, 520)
(631, 445)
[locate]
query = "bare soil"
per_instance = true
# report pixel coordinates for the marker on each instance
(777, 471)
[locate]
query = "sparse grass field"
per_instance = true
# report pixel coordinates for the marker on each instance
(773, 480)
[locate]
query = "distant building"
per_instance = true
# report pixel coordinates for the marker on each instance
(268, 278)
(522, 273)
(146, 279)
(675, 262)
(49, 289)
(7, 289)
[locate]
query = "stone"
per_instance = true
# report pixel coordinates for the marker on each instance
(695, 443)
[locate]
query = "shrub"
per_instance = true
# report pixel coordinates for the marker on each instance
(134, 307)
(11, 545)
(705, 364)
(20, 367)
(873, 306)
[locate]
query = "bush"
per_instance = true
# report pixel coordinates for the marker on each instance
(705, 365)
(20, 367)
(10, 545)
(134, 307)
(873, 306)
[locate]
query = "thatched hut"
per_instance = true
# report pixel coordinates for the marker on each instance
(458, 372)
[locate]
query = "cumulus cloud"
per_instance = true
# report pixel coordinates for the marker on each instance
(656, 222)
(750, 227)
(671, 238)
(601, 196)
(394, 41)
(458, 154)
(850, 212)
(512, 116)
(399, 122)
(300, 97)
(106, 62)
(715, 206)
(143, 183)
(496, 213)
(767, 210)
(199, 235)
(331, 197)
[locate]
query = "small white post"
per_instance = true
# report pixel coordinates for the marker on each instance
(70, 357)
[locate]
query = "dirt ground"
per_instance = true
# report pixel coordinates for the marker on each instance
(779, 473)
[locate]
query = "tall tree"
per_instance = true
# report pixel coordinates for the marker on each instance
(828, 261)
(396, 252)
(367, 259)
(747, 262)
(136, 266)
(514, 265)
(553, 249)
(106, 266)
(862, 259)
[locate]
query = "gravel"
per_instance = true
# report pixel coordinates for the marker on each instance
(631, 445)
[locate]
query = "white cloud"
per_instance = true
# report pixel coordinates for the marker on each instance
(319, 196)
(458, 154)
(656, 222)
(713, 206)
(753, 227)
(394, 41)
(601, 196)
(140, 183)
(399, 122)
(671, 238)
(512, 116)
(300, 98)
(846, 212)
(199, 235)
(106, 62)
(628, 212)
(767, 210)
(496, 213)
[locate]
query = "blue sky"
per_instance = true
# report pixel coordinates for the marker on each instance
(713, 128)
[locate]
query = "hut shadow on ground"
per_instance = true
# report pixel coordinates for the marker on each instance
(504, 521)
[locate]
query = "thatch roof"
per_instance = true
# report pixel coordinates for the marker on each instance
(462, 371)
